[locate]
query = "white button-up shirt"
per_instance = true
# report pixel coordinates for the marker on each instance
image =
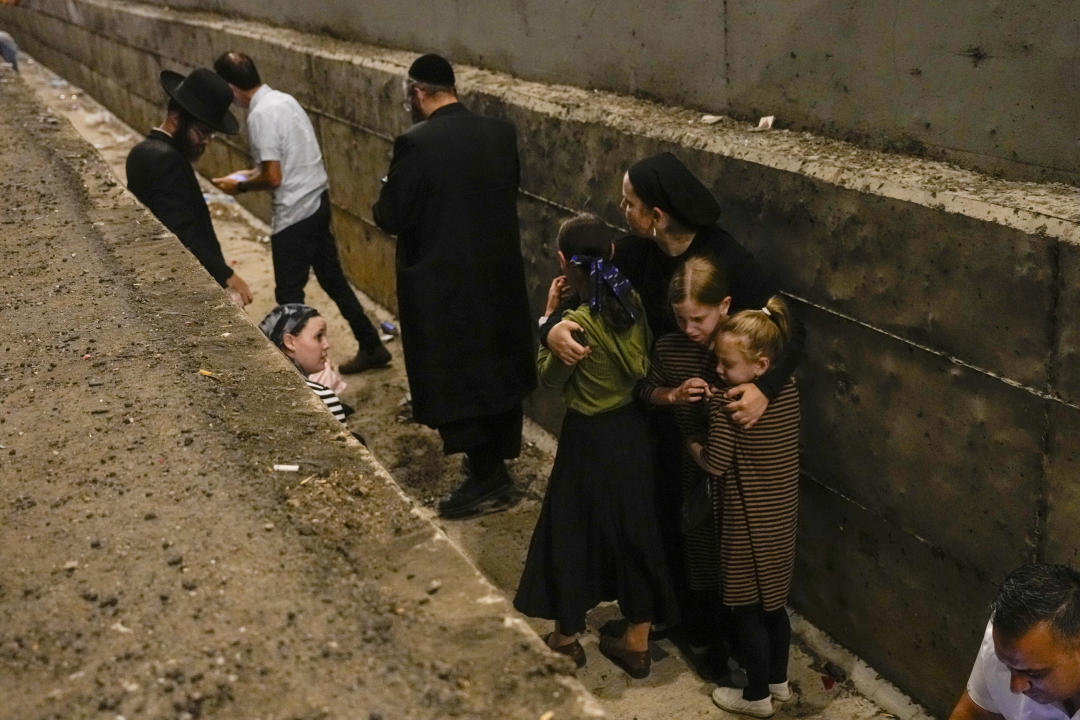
(279, 130)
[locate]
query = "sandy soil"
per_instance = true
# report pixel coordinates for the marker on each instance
(159, 568)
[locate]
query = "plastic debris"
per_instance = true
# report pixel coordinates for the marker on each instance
(97, 118)
(765, 123)
(388, 327)
(711, 119)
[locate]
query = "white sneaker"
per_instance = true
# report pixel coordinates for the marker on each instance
(781, 692)
(731, 699)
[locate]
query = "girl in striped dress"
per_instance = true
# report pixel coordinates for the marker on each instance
(758, 473)
(682, 376)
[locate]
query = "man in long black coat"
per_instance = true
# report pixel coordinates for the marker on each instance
(160, 174)
(451, 198)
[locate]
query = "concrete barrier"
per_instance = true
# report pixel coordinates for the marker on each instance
(942, 382)
(990, 85)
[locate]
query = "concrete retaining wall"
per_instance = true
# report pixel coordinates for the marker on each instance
(942, 383)
(991, 85)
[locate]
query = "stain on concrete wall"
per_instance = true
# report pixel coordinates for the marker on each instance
(991, 85)
(941, 387)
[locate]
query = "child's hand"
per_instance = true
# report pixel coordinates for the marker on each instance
(690, 391)
(556, 292)
(329, 377)
(746, 404)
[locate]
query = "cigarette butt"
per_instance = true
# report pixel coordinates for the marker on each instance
(286, 468)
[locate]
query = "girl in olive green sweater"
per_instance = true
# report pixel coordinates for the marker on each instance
(597, 538)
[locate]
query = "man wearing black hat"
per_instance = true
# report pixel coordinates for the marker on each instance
(160, 174)
(451, 198)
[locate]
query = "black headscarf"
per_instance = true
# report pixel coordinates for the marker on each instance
(663, 181)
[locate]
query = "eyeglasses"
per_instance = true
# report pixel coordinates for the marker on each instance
(408, 87)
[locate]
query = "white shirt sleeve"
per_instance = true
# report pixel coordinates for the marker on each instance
(264, 138)
(978, 687)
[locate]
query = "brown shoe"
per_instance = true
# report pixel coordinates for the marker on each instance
(573, 650)
(636, 663)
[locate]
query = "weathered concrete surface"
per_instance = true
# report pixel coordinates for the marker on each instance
(913, 438)
(941, 382)
(990, 85)
(155, 565)
(851, 556)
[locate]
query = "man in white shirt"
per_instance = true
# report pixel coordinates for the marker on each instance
(1028, 666)
(288, 162)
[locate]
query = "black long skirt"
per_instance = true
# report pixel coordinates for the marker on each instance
(597, 536)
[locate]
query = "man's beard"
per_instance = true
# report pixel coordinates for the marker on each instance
(414, 109)
(182, 137)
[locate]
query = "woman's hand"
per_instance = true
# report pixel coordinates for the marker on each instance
(558, 290)
(747, 404)
(564, 347)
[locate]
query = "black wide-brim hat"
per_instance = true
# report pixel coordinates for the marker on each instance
(203, 94)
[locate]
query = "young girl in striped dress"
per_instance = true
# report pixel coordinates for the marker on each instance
(757, 470)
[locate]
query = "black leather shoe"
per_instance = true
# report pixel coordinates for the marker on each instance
(572, 650)
(636, 663)
(476, 494)
(366, 360)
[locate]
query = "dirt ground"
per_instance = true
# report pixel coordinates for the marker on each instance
(156, 567)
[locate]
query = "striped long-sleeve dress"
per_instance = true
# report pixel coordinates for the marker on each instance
(677, 358)
(758, 470)
(329, 398)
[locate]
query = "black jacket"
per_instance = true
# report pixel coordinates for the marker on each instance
(451, 198)
(164, 181)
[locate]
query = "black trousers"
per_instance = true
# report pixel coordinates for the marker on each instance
(764, 640)
(486, 440)
(309, 245)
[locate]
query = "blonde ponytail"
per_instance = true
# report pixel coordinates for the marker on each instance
(764, 332)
